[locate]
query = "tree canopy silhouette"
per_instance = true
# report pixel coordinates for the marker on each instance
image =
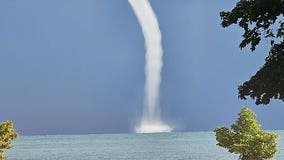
(261, 19)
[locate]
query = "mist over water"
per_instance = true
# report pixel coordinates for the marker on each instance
(151, 119)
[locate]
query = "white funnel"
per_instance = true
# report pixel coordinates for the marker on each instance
(151, 121)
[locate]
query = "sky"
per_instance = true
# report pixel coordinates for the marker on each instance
(77, 67)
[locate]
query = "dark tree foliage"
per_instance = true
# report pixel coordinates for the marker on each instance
(261, 19)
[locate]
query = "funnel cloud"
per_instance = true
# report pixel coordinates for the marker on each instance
(151, 119)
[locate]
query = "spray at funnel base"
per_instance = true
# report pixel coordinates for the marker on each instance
(153, 128)
(151, 121)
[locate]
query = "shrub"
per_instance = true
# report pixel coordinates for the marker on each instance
(247, 139)
(7, 135)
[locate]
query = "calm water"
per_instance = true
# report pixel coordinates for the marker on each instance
(165, 146)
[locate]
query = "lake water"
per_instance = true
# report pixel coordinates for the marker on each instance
(161, 146)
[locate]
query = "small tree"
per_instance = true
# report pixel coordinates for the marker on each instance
(7, 135)
(247, 139)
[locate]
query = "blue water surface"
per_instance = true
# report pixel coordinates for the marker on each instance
(161, 146)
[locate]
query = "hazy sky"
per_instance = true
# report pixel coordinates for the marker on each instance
(72, 67)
